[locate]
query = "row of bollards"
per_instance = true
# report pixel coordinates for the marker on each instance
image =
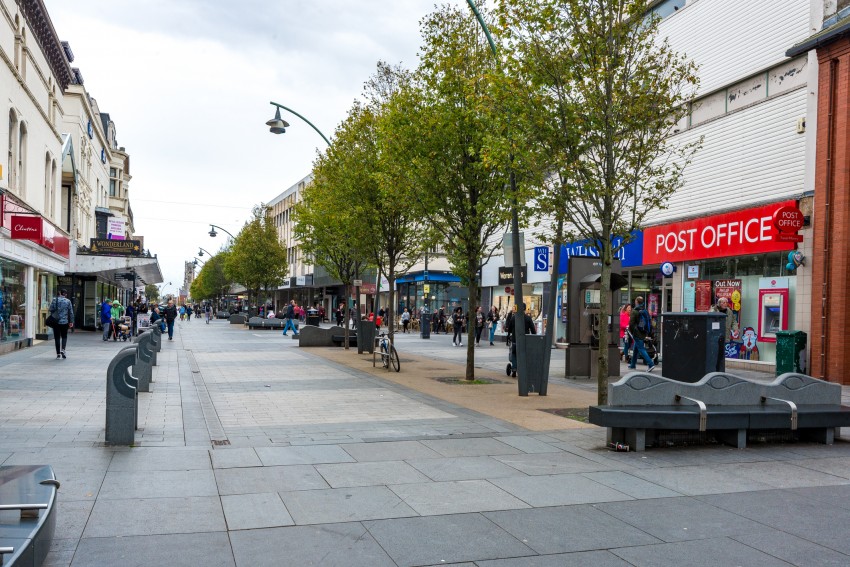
(129, 372)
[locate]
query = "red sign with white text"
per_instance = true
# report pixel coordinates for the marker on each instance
(27, 227)
(751, 231)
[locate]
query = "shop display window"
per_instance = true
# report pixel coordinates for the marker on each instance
(13, 300)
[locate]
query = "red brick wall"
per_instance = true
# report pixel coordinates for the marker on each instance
(830, 262)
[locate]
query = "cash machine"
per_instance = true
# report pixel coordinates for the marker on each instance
(773, 308)
(584, 317)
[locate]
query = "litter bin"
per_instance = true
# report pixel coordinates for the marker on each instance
(313, 317)
(533, 379)
(425, 325)
(790, 352)
(693, 345)
(365, 337)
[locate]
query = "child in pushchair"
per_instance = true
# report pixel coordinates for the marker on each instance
(649, 345)
(123, 329)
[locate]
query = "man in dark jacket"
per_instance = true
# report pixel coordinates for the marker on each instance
(106, 318)
(640, 326)
(170, 317)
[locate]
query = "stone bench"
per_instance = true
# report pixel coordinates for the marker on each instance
(237, 319)
(260, 323)
(122, 404)
(29, 493)
(310, 336)
(643, 408)
(222, 315)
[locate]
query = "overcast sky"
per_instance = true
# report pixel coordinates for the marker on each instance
(188, 85)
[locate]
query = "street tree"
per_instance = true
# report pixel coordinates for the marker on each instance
(211, 282)
(257, 259)
(607, 93)
(441, 126)
(152, 293)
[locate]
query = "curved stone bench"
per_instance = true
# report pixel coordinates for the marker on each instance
(260, 323)
(641, 406)
(237, 319)
(121, 399)
(311, 336)
(28, 499)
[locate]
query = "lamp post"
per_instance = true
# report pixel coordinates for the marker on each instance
(519, 325)
(278, 126)
(201, 252)
(213, 233)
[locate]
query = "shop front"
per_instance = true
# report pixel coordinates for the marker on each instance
(746, 256)
(436, 290)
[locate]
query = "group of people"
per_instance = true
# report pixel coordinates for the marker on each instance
(635, 328)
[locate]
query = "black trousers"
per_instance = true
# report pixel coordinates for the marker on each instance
(60, 334)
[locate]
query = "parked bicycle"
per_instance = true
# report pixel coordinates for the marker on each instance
(389, 356)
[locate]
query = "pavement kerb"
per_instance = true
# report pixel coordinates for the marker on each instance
(500, 400)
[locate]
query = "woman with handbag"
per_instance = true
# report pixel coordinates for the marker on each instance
(62, 314)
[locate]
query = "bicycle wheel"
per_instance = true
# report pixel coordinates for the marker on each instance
(384, 356)
(394, 359)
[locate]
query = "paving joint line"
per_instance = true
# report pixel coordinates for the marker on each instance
(214, 427)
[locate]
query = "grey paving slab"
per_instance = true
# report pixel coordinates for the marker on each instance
(463, 468)
(328, 545)
(456, 497)
(783, 474)
(694, 480)
(161, 459)
(794, 550)
(558, 490)
(565, 529)
(351, 504)
(389, 451)
(838, 466)
(304, 455)
(251, 511)
(698, 553)
(551, 463)
(64, 458)
(71, 518)
(268, 479)
(80, 484)
(369, 474)
(528, 444)
(680, 519)
(177, 550)
(832, 495)
(578, 559)
(437, 540)
(470, 447)
(816, 521)
(231, 458)
(158, 484)
(630, 485)
(114, 518)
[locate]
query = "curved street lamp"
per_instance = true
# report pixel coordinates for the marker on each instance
(213, 233)
(278, 126)
(201, 252)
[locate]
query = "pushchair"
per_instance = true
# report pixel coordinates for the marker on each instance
(124, 329)
(510, 369)
(648, 344)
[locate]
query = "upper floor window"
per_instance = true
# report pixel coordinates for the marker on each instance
(666, 8)
(113, 182)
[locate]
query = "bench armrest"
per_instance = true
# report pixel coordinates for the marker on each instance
(703, 410)
(791, 404)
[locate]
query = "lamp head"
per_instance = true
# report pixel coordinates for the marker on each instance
(277, 125)
(200, 253)
(213, 233)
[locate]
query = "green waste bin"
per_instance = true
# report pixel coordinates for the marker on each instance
(790, 352)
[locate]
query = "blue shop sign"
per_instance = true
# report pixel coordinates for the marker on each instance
(630, 255)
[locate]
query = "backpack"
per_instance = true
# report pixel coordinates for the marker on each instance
(644, 322)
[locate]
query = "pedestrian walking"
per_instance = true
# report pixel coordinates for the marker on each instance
(625, 317)
(479, 325)
(405, 320)
(291, 314)
(340, 315)
(106, 318)
(189, 313)
(61, 310)
(640, 326)
(493, 322)
(208, 312)
(457, 327)
(170, 317)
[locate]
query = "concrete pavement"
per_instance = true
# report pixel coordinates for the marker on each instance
(252, 451)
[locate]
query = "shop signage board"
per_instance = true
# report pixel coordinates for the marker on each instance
(703, 296)
(751, 231)
(731, 290)
(630, 254)
(689, 296)
(107, 247)
(506, 275)
(27, 227)
(541, 258)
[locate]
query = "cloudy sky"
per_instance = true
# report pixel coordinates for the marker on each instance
(188, 85)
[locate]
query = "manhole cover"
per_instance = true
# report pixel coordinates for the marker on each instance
(577, 414)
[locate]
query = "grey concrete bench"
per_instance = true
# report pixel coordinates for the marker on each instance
(311, 336)
(222, 315)
(643, 407)
(237, 319)
(260, 323)
(29, 493)
(122, 407)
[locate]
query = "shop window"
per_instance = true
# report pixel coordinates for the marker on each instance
(13, 300)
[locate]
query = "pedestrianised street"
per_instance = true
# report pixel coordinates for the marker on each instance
(252, 451)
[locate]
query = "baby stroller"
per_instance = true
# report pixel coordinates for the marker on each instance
(510, 369)
(124, 329)
(648, 344)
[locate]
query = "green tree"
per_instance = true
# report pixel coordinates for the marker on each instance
(257, 259)
(211, 282)
(442, 126)
(604, 94)
(152, 293)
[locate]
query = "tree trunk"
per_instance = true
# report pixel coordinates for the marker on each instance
(604, 311)
(346, 317)
(474, 292)
(390, 310)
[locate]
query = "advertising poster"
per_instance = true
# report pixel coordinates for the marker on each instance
(652, 304)
(731, 290)
(703, 295)
(689, 294)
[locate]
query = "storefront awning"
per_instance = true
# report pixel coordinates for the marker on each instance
(119, 269)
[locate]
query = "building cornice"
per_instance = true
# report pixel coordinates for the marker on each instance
(36, 15)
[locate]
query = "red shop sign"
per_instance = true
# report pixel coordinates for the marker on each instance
(788, 220)
(751, 231)
(27, 227)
